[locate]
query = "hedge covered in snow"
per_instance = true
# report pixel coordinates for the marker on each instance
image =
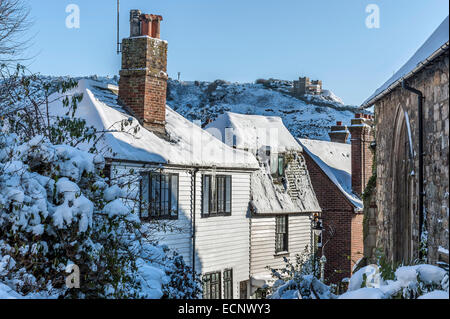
(298, 280)
(410, 282)
(60, 216)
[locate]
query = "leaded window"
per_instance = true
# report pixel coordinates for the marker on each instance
(159, 194)
(281, 234)
(216, 195)
(211, 286)
(228, 284)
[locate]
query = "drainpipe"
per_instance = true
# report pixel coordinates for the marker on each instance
(421, 192)
(194, 196)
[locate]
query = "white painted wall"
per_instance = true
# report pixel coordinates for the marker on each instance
(263, 241)
(221, 242)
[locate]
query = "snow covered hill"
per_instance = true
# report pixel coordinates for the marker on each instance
(309, 117)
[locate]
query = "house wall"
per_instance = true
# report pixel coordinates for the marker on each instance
(221, 242)
(343, 246)
(263, 241)
(433, 82)
(179, 239)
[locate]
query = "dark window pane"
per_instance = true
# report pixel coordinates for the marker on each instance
(174, 196)
(228, 194)
(220, 194)
(145, 196)
(206, 192)
(164, 195)
(228, 284)
(280, 166)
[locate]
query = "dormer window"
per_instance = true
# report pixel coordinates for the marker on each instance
(277, 165)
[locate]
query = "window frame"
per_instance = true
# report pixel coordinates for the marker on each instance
(228, 283)
(218, 282)
(285, 247)
(214, 212)
(149, 176)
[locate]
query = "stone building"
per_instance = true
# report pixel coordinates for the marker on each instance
(411, 119)
(339, 172)
(306, 86)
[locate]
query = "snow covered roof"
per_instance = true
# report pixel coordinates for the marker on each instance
(253, 132)
(270, 198)
(335, 161)
(434, 45)
(188, 144)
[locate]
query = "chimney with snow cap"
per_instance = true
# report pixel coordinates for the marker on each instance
(143, 77)
(339, 133)
(362, 156)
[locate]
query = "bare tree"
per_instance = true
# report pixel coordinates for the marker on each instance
(14, 22)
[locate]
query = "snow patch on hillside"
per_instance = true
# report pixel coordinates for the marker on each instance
(310, 117)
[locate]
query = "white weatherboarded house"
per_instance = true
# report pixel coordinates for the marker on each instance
(178, 176)
(282, 198)
(188, 181)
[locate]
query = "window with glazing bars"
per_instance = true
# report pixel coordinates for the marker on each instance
(281, 234)
(228, 284)
(211, 286)
(216, 195)
(159, 193)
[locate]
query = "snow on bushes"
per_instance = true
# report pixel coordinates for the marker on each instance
(298, 280)
(302, 287)
(58, 210)
(410, 282)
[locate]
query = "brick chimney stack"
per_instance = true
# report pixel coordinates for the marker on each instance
(339, 133)
(143, 77)
(362, 156)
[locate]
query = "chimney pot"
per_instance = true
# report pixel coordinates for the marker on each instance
(135, 23)
(150, 25)
(358, 115)
(339, 123)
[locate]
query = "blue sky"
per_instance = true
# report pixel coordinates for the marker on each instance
(242, 40)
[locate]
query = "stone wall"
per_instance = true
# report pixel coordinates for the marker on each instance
(390, 114)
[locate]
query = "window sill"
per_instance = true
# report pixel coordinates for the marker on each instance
(216, 215)
(150, 219)
(281, 254)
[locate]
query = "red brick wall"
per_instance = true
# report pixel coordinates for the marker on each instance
(143, 80)
(362, 156)
(345, 246)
